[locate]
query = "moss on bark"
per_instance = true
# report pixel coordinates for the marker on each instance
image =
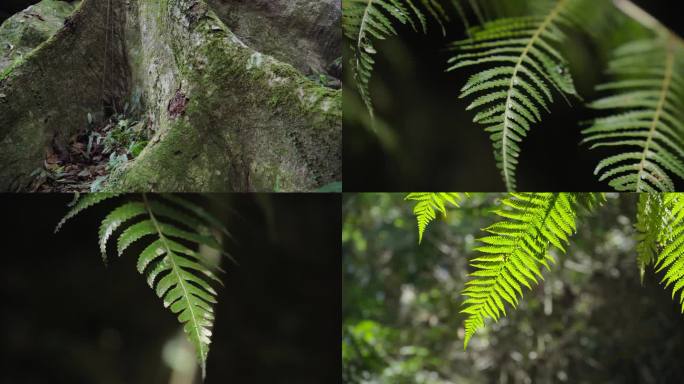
(46, 96)
(252, 123)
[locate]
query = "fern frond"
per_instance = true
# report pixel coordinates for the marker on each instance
(511, 255)
(429, 205)
(523, 66)
(179, 275)
(671, 243)
(647, 126)
(650, 225)
(366, 21)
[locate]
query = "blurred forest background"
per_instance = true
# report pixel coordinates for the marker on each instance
(426, 139)
(590, 321)
(66, 318)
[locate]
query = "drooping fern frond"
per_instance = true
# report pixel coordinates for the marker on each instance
(511, 255)
(429, 205)
(523, 66)
(648, 121)
(651, 222)
(671, 243)
(366, 21)
(180, 275)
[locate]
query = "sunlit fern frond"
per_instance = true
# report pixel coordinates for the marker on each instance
(511, 255)
(671, 245)
(180, 275)
(366, 21)
(429, 205)
(523, 66)
(647, 124)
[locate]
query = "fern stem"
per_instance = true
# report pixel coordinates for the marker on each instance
(507, 117)
(181, 280)
(667, 81)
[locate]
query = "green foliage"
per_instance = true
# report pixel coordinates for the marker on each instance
(671, 243)
(647, 126)
(181, 276)
(516, 52)
(650, 224)
(523, 66)
(365, 21)
(511, 255)
(517, 246)
(429, 205)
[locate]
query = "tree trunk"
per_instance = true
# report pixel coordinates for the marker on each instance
(229, 111)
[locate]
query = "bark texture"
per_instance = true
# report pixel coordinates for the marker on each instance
(305, 33)
(226, 116)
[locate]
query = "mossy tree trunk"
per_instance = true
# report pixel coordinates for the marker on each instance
(230, 111)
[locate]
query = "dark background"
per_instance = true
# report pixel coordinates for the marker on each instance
(66, 318)
(10, 7)
(437, 145)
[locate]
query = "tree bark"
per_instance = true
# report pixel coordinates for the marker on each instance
(226, 116)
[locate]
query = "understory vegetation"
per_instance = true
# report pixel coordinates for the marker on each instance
(93, 154)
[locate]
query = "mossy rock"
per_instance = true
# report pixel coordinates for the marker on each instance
(26, 30)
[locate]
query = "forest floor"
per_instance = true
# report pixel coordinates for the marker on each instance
(92, 154)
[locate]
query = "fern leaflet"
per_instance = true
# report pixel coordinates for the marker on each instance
(179, 275)
(524, 67)
(514, 250)
(648, 125)
(429, 205)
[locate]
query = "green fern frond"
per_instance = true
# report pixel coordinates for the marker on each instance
(179, 275)
(650, 225)
(429, 205)
(511, 255)
(648, 124)
(366, 21)
(671, 243)
(523, 66)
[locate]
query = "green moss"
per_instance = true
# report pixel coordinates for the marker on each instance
(249, 124)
